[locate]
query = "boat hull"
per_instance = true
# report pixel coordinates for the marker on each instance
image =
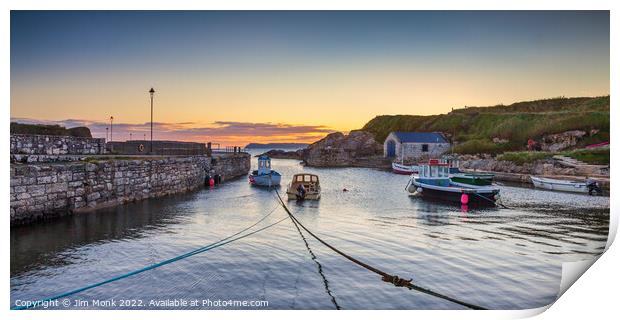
(403, 169)
(559, 185)
(454, 192)
(309, 196)
(265, 180)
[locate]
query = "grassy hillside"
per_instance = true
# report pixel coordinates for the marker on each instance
(473, 128)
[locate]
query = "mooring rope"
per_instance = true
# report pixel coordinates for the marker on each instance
(213, 245)
(320, 268)
(395, 280)
(491, 201)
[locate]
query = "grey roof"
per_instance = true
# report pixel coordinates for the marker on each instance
(423, 137)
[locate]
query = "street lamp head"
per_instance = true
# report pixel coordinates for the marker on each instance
(152, 91)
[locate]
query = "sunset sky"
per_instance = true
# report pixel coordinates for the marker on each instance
(265, 76)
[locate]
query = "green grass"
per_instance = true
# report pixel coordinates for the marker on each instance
(475, 127)
(590, 156)
(523, 157)
(100, 159)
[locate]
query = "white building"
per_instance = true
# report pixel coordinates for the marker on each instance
(413, 146)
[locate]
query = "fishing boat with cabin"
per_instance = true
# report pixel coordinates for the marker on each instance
(304, 186)
(433, 181)
(264, 176)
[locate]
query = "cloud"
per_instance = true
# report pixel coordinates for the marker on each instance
(224, 132)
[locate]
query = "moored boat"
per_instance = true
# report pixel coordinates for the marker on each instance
(433, 181)
(304, 186)
(404, 169)
(590, 186)
(478, 179)
(264, 176)
(473, 178)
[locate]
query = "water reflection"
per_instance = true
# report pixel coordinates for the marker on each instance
(37, 245)
(497, 258)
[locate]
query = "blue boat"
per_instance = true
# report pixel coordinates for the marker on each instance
(264, 176)
(433, 181)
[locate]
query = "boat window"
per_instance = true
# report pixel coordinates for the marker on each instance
(306, 178)
(434, 172)
(425, 148)
(300, 178)
(315, 179)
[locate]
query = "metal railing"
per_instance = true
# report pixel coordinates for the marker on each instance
(228, 149)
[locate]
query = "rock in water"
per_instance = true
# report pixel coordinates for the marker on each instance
(281, 154)
(359, 148)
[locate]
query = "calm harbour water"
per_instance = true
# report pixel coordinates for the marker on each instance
(493, 257)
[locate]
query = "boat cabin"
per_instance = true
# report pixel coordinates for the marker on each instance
(452, 162)
(434, 169)
(311, 188)
(264, 165)
(309, 181)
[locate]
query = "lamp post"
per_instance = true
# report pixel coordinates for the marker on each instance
(130, 136)
(152, 92)
(106, 133)
(111, 119)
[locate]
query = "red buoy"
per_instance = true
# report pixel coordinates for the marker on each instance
(211, 182)
(464, 198)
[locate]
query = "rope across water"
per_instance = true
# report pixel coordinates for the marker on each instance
(395, 280)
(208, 247)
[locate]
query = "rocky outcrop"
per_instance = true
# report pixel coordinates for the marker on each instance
(281, 154)
(561, 141)
(358, 149)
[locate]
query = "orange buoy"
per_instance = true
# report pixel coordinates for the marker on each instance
(464, 198)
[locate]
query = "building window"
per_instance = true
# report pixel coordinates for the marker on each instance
(425, 148)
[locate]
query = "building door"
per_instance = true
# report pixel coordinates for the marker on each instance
(391, 149)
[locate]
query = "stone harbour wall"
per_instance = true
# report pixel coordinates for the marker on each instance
(230, 166)
(48, 190)
(55, 145)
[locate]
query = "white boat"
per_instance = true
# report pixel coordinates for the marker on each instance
(304, 186)
(404, 169)
(560, 185)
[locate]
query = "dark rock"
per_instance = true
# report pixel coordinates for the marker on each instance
(281, 154)
(359, 148)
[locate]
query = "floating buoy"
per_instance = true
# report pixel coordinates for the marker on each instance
(344, 190)
(211, 182)
(464, 198)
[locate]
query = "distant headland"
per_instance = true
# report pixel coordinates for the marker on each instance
(294, 146)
